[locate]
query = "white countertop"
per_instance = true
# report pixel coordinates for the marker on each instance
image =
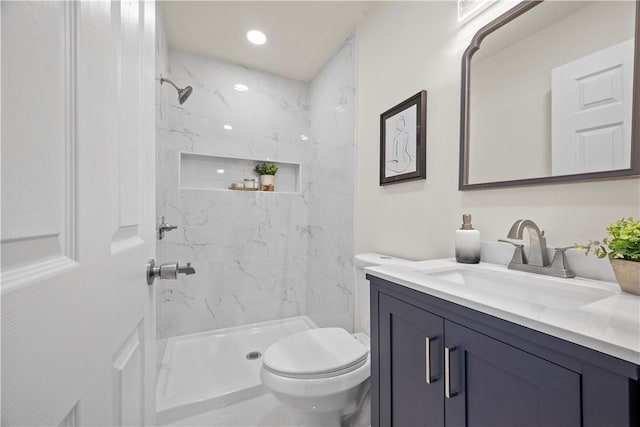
(610, 325)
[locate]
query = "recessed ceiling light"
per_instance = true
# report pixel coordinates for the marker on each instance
(220, 171)
(228, 127)
(256, 37)
(240, 87)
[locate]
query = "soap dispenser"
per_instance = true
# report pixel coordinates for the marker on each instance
(467, 242)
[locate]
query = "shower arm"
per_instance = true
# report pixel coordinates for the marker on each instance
(162, 80)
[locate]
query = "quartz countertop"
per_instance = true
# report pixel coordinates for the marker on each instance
(610, 325)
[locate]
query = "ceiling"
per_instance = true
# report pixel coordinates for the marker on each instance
(302, 35)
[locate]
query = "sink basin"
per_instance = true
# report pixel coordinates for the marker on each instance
(534, 289)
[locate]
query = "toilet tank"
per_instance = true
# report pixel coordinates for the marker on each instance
(361, 313)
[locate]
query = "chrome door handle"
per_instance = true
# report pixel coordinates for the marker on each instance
(447, 373)
(427, 359)
(166, 271)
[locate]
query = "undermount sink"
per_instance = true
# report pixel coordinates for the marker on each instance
(533, 289)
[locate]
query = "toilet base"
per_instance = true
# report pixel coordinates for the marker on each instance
(325, 416)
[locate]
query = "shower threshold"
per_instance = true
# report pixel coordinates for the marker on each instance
(208, 370)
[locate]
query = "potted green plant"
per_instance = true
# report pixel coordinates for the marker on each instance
(622, 247)
(266, 172)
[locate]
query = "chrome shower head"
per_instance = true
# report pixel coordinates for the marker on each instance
(183, 94)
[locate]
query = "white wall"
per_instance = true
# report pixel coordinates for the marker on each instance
(408, 46)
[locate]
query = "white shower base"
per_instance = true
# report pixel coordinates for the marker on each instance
(209, 370)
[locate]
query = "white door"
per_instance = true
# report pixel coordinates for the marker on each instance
(591, 101)
(78, 188)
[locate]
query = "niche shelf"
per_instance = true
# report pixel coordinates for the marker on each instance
(210, 172)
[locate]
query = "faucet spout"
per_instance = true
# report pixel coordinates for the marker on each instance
(538, 254)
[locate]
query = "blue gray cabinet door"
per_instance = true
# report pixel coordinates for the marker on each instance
(495, 384)
(410, 349)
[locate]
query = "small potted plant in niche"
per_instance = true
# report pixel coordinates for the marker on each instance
(266, 172)
(622, 247)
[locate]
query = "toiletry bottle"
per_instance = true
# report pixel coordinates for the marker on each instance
(467, 242)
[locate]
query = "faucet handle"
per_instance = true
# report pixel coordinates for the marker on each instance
(560, 262)
(517, 245)
(163, 227)
(519, 256)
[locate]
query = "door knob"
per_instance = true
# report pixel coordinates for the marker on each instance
(167, 271)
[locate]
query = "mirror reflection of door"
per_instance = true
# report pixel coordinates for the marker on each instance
(591, 112)
(517, 126)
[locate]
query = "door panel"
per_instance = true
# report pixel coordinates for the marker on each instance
(405, 397)
(128, 381)
(127, 155)
(38, 231)
(499, 385)
(77, 152)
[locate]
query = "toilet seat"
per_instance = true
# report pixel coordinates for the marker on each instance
(316, 353)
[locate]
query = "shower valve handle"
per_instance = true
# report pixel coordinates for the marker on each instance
(163, 227)
(166, 271)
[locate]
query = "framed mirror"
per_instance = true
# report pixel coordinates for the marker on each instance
(551, 93)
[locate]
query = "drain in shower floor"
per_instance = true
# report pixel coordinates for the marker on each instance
(253, 355)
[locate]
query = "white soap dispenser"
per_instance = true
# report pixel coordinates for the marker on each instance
(467, 242)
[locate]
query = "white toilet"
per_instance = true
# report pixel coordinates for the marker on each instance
(324, 373)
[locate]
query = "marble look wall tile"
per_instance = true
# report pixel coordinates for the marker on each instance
(259, 256)
(330, 271)
(249, 257)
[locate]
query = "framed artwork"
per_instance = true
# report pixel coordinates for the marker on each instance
(403, 141)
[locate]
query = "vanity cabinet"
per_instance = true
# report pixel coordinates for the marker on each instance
(436, 363)
(411, 379)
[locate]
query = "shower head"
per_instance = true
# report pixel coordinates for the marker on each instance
(183, 93)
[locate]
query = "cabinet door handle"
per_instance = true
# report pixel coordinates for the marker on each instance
(448, 393)
(427, 359)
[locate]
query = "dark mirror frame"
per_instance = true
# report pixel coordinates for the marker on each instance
(505, 18)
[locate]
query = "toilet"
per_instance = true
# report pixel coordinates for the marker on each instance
(323, 373)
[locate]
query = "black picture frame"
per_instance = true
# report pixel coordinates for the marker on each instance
(403, 141)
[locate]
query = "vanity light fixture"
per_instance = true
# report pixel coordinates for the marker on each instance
(240, 87)
(228, 127)
(256, 37)
(304, 137)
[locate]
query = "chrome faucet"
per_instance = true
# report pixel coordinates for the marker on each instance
(537, 260)
(537, 243)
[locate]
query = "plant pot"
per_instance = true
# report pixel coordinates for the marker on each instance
(266, 182)
(627, 274)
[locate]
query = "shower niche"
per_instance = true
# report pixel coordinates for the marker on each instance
(210, 172)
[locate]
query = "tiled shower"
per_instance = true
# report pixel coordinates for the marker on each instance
(259, 256)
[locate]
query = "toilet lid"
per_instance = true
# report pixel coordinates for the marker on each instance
(316, 352)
